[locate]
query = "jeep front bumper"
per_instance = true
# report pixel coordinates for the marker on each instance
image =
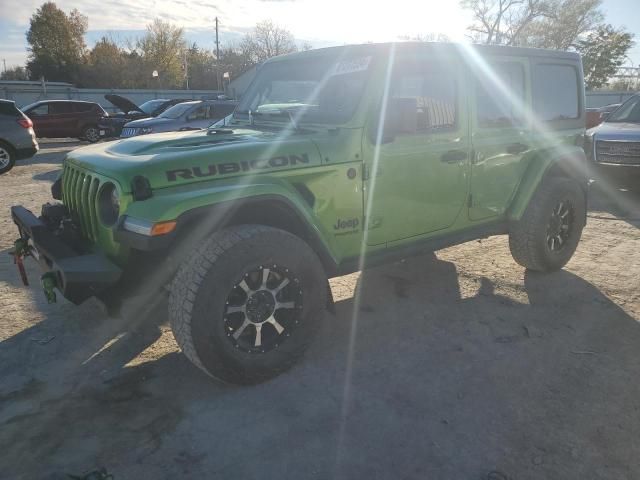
(79, 275)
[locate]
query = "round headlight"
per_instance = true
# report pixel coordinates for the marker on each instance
(109, 204)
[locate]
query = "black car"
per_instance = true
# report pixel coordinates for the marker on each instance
(111, 126)
(614, 145)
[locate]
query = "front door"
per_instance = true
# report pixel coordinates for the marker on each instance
(501, 135)
(419, 184)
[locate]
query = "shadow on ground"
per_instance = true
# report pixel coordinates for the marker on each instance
(432, 385)
(618, 195)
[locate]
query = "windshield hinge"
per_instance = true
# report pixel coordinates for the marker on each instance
(365, 172)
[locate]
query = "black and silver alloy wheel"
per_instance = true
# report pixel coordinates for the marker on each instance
(560, 226)
(263, 309)
(548, 233)
(248, 302)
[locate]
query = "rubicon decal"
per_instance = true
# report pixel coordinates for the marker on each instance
(235, 167)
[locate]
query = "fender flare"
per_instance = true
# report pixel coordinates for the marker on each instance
(570, 162)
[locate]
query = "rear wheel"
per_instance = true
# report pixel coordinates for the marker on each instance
(548, 233)
(91, 134)
(7, 158)
(246, 304)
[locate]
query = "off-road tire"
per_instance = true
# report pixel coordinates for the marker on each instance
(528, 238)
(8, 159)
(200, 290)
(91, 133)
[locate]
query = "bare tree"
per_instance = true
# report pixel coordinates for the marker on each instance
(427, 37)
(554, 24)
(567, 21)
(267, 40)
(502, 21)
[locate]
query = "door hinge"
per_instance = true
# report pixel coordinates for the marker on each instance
(365, 172)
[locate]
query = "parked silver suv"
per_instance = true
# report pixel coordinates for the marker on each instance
(17, 138)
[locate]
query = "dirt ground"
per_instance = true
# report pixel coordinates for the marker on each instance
(448, 366)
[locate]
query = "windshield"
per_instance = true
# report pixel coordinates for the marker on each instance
(177, 110)
(319, 90)
(627, 112)
(150, 106)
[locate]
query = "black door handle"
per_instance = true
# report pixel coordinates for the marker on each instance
(454, 156)
(517, 148)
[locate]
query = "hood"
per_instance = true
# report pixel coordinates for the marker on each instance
(122, 103)
(149, 122)
(179, 158)
(616, 131)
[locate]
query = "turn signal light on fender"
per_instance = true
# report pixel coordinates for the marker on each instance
(163, 228)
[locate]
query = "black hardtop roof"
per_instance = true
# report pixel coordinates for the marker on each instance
(443, 47)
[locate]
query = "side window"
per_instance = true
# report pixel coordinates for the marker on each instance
(199, 113)
(432, 86)
(82, 107)
(500, 96)
(40, 110)
(555, 92)
(60, 107)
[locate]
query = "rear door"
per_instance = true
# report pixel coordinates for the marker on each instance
(62, 119)
(500, 134)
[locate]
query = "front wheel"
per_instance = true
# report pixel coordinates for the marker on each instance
(91, 134)
(247, 303)
(548, 233)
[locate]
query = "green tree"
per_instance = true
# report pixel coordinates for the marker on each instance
(201, 69)
(162, 49)
(15, 73)
(603, 52)
(56, 43)
(235, 60)
(105, 66)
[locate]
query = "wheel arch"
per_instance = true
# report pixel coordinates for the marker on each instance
(567, 162)
(271, 210)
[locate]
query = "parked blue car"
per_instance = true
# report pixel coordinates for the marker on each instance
(183, 116)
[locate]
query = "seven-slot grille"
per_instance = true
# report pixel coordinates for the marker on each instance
(128, 132)
(623, 153)
(79, 193)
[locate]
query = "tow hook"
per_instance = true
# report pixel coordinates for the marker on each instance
(20, 250)
(49, 282)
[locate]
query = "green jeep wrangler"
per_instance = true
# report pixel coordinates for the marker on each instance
(335, 159)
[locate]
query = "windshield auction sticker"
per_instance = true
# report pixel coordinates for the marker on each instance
(352, 65)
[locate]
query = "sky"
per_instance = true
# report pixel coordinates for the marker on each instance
(318, 22)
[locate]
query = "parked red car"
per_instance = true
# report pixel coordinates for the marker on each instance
(66, 118)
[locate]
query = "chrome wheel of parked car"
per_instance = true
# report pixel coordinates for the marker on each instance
(6, 158)
(91, 134)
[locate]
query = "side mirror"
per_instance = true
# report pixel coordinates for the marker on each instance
(400, 118)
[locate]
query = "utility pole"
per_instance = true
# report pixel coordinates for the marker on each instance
(217, 57)
(4, 64)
